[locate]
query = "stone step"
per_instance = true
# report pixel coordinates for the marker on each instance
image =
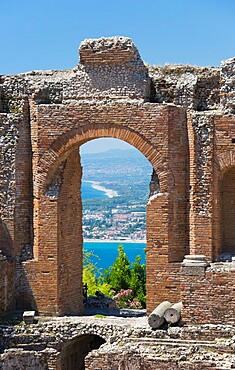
(171, 342)
(30, 346)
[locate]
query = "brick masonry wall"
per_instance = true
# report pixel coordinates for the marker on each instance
(7, 279)
(9, 139)
(164, 145)
(209, 296)
(228, 211)
(15, 183)
(224, 147)
(70, 238)
(46, 116)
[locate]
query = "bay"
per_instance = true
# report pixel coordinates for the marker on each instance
(107, 252)
(88, 192)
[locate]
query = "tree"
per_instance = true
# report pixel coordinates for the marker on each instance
(138, 280)
(126, 280)
(118, 275)
(124, 277)
(90, 271)
(92, 276)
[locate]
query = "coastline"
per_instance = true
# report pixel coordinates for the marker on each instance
(137, 241)
(109, 192)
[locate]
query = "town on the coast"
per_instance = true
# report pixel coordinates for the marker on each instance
(122, 223)
(122, 176)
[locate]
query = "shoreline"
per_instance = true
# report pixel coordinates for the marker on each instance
(137, 241)
(109, 192)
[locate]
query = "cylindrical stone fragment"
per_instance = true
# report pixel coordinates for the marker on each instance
(156, 318)
(173, 314)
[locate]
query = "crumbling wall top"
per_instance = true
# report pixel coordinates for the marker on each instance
(115, 50)
(227, 93)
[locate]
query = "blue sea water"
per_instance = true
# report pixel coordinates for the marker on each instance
(107, 252)
(88, 192)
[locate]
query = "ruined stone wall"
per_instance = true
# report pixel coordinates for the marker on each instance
(24, 359)
(15, 182)
(179, 117)
(70, 228)
(228, 211)
(196, 88)
(115, 343)
(227, 100)
(129, 359)
(208, 295)
(224, 163)
(137, 124)
(7, 279)
(9, 140)
(201, 156)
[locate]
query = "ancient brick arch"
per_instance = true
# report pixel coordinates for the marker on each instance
(177, 116)
(74, 352)
(224, 193)
(66, 143)
(225, 160)
(57, 203)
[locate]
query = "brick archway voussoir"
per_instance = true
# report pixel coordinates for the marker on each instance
(225, 161)
(67, 142)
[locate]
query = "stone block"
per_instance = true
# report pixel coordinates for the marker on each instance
(28, 317)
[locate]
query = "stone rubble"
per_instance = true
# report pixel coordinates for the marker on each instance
(126, 339)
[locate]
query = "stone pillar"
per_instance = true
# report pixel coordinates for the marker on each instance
(194, 264)
(201, 153)
(192, 277)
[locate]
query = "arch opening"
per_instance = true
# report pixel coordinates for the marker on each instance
(62, 147)
(58, 218)
(73, 353)
(227, 200)
(115, 191)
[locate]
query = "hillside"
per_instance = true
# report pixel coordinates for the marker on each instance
(127, 172)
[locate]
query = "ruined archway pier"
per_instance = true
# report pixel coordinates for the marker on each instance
(181, 118)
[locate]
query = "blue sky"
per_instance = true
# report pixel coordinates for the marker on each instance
(46, 34)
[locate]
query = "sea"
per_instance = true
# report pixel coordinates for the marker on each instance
(106, 252)
(88, 192)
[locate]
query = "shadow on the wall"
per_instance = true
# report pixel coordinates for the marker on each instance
(24, 295)
(74, 352)
(6, 243)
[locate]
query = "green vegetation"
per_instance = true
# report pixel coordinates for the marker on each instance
(127, 172)
(123, 281)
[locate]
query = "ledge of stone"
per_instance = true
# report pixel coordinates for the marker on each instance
(194, 265)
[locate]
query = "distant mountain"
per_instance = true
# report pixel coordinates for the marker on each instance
(126, 171)
(112, 153)
(116, 165)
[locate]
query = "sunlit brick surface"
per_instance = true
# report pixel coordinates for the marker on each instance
(180, 117)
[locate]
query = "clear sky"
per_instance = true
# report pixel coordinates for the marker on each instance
(45, 34)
